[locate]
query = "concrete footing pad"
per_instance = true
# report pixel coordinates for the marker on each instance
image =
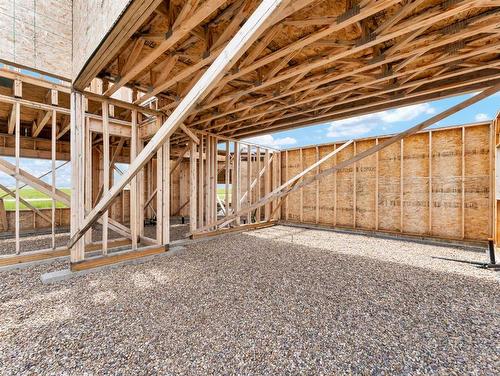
(65, 274)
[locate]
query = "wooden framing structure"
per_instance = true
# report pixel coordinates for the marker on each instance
(172, 88)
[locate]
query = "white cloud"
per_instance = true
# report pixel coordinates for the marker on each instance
(269, 140)
(482, 117)
(360, 125)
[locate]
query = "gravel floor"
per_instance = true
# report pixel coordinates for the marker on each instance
(259, 303)
(44, 240)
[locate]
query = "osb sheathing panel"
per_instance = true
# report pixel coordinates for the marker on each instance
(293, 200)
(92, 20)
(477, 181)
(365, 187)
(345, 179)
(389, 184)
(416, 184)
(37, 34)
(309, 191)
(456, 205)
(327, 187)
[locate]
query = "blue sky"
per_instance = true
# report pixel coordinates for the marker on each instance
(380, 123)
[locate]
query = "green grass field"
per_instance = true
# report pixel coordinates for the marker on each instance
(41, 201)
(35, 198)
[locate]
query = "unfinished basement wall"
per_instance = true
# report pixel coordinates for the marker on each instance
(37, 34)
(445, 181)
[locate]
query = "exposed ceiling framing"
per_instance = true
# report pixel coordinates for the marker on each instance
(323, 60)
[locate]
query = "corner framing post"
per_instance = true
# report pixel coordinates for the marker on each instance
(134, 198)
(77, 172)
(17, 110)
(159, 196)
(53, 165)
(235, 184)
(193, 189)
(107, 172)
(166, 192)
(163, 194)
(88, 176)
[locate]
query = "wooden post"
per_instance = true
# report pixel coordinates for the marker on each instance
(287, 177)
(88, 175)
(235, 195)
(335, 191)
(354, 187)
(257, 193)
(77, 183)
(430, 182)
(316, 217)
(377, 162)
(462, 183)
(193, 189)
(140, 190)
(208, 173)
(166, 193)
(301, 156)
(159, 196)
(53, 155)
(249, 182)
(227, 177)
(107, 172)
(401, 186)
(213, 178)
(134, 197)
(267, 182)
(201, 183)
(17, 108)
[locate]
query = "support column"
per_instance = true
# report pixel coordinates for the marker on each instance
(134, 197)
(166, 192)
(17, 111)
(107, 172)
(163, 194)
(193, 189)
(77, 172)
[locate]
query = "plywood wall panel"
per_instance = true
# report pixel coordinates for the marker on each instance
(309, 192)
(327, 188)
(389, 205)
(345, 189)
(293, 202)
(446, 183)
(365, 187)
(37, 34)
(477, 182)
(416, 184)
(445, 188)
